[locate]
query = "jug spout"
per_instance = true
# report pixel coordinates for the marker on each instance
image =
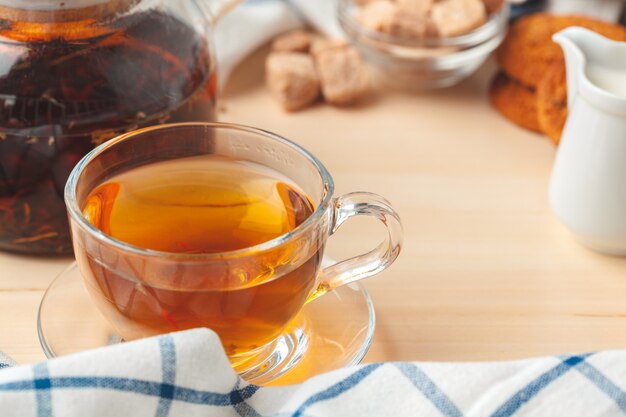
(575, 42)
(595, 67)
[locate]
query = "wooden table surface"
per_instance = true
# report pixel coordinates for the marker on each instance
(486, 271)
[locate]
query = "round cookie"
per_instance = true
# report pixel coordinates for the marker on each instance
(515, 101)
(552, 101)
(528, 50)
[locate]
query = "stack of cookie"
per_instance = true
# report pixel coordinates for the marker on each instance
(531, 88)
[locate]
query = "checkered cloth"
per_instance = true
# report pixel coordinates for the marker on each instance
(5, 361)
(187, 374)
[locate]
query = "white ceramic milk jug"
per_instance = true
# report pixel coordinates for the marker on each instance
(588, 185)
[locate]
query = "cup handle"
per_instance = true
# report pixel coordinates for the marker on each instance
(371, 263)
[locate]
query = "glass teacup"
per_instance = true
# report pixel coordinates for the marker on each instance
(248, 296)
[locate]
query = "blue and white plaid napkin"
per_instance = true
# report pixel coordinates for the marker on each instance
(187, 374)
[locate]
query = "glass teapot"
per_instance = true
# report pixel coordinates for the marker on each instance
(76, 73)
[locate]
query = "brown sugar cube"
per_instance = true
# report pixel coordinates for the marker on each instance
(409, 25)
(377, 16)
(343, 75)
(421, 7)
(456, 17)
(326, 44)
(294, 41)
(292, 79)
(388, 17)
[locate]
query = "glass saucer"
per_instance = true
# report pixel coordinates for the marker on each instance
(331, 332)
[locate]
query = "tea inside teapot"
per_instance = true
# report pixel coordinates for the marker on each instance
(70, 80)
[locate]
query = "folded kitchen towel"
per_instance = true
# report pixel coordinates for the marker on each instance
(187, 374)
(255, 22)
(5, 361)
(249, 26)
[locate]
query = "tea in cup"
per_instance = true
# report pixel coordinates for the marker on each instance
(212, 225)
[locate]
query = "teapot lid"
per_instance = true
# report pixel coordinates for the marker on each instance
(48, 11)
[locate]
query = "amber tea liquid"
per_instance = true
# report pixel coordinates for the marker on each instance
(66, 88)
(203, 205)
